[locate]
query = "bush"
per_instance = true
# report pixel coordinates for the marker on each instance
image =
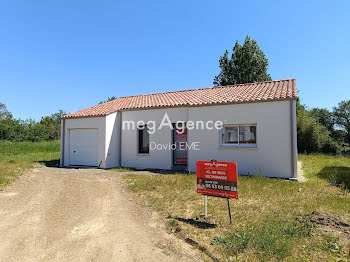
(49, 128)
(28, 130)
(330, 147)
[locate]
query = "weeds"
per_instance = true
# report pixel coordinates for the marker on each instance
(123, 169)
(17, 148)
(16, 157)
(272, 238)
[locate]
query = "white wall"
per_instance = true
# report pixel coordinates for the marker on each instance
(94, 122)
(107, 126)
(112, 141)
(161, 159)
(272, 156)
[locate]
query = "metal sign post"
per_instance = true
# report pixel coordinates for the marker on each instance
(229, 210)
(205, 206)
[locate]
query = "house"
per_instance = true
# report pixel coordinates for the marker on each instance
(252, 124)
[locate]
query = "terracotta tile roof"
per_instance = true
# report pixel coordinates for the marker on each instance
(263, 91)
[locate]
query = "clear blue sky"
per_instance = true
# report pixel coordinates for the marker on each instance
(71, 54)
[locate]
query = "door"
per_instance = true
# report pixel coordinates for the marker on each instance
(83, 147)
(180, 151)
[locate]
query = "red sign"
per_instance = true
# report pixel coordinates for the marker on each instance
(217, 179)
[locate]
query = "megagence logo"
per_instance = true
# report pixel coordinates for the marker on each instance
(180, 126)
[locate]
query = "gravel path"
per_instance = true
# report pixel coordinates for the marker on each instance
(52, 214)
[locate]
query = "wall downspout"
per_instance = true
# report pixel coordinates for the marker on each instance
(120, 123)
(63, 132)
(294, 150)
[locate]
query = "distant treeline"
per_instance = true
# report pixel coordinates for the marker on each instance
(319, 130)
(48, 128)
(323, 131)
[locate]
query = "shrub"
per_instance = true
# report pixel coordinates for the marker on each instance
(49, 128)
(330, 147)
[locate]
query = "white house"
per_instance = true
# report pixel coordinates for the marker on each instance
(251, 124)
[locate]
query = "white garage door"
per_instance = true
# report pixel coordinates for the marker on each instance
(83, 147)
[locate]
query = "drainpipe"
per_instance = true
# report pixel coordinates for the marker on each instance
(294, 150)
(120, 137)
(63, 132)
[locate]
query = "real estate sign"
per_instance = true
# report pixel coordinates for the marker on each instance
(215, 178)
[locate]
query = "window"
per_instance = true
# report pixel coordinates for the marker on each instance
(143, 140)
(238, 135)
(230, 135)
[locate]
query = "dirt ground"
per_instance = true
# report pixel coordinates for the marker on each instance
(52, 214)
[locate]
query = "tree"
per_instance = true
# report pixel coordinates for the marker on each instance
(53, 124)
(324, 117)
(248, 64)
(4, 113)
(342, 117)
(312, 137)
(108, 99)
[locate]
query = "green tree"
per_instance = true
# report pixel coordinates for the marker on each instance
(342, 117)
(108, 99)
(4, 113)
(48, 128)
(53, 124)
(312, 137)
(324, 117)
(247, 64)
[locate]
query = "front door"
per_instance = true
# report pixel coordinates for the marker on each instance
(180, 152)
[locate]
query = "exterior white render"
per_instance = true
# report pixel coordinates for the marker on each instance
(274, 155)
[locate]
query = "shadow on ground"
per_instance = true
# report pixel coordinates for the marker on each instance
(337, 176)
(196, 223)
(50, 163)
(167, 172)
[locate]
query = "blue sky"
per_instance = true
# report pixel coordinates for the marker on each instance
(72, 54)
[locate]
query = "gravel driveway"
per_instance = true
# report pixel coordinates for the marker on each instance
(52, 214)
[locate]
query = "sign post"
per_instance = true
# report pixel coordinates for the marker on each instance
(229, 210)
(205, 206)
(219, 179)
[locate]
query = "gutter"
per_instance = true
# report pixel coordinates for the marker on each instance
(294, 153)
(63, 132)
(119, 115)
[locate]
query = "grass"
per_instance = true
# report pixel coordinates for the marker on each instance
(273, 238)
(271, 220)
(123, 169)
(334, 169)
(17, 157)
(17, 148)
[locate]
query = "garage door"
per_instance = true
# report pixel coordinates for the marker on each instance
(83, 147)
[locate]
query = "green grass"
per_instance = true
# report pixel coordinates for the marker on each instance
(273, 238)
(17, 148)
(334, 169)
(123, 169)
(266, 218)
(17, 157)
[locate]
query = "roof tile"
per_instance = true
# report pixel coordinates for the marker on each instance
(263, 91)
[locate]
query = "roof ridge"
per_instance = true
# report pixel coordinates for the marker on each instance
(205, 88)
(247, 92)
(252, 83)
